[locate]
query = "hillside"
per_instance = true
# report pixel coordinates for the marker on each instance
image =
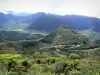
(46, 23)
(91, 35)
(16, 36)
(79, 22)
(49, 22)
(14, 21)
(64, 36)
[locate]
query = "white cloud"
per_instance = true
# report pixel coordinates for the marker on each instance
(81, 7)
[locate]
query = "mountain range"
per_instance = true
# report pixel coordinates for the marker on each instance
(48, 22)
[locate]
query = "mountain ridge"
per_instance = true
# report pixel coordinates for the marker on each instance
(49, 22)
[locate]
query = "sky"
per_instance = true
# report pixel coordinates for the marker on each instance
(61, 7)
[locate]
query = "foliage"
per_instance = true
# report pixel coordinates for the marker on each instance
(64, 36)
(74, 56)
(46, 63)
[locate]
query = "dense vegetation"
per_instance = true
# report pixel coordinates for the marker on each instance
(51, 63)
(18, 35)
(64, 36)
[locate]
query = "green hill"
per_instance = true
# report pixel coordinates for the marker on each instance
(64, 36)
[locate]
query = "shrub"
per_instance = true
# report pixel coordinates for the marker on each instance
(20, 68)
(30, 43)
(13, 73)
(11, 65)
(59, 68)
(26, 64)
(38, 61)
(50, 61)
(74, 56)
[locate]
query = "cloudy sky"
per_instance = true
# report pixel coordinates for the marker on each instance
(62, 7)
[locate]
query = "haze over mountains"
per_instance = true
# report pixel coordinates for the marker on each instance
(47, 22)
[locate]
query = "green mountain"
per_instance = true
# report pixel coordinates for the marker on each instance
(64, 36)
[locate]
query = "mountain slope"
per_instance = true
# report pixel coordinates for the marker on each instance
(78, 22)
(64, 36)
(91, 35)
(49, 22)
(46, 23)
(13, 21)
(15, 36)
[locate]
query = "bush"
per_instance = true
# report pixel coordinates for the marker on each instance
(20, 68)
(49, 61)
(74, 56)
(13, 73)
(26, 64)
(59, 68)
(11, 65)
(30, 43)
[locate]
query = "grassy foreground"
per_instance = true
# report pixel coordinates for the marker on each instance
(50, 63)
